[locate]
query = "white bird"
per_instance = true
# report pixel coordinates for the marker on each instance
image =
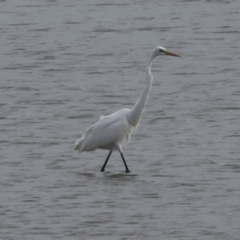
(113, 132)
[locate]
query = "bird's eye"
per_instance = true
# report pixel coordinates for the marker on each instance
(160, 50)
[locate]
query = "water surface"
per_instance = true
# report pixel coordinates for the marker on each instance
(64, 64)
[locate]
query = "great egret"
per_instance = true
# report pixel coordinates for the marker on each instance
(112, 132)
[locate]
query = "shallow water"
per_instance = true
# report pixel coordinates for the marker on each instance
(63, 64)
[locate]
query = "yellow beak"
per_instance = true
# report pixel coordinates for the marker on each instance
(171, 53)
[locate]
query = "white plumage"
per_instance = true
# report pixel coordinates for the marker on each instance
(110, 132)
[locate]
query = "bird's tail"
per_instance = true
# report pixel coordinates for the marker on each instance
(78, 143)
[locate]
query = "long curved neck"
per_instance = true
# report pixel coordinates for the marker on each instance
(136, 112)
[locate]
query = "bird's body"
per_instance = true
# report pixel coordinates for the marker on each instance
(112, 132)
(108, 133)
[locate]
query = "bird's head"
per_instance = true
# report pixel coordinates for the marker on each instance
(163, 51)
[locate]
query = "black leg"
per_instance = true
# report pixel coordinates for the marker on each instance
(104, 165)
(127, 170)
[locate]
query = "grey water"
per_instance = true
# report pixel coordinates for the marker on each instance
(63, 64)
